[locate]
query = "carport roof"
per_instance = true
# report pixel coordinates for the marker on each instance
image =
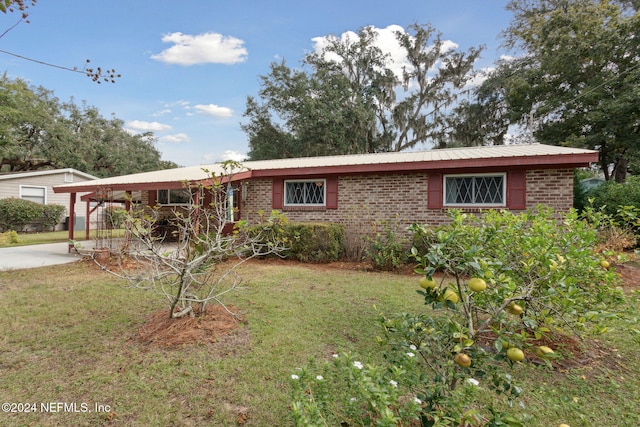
(525, 155)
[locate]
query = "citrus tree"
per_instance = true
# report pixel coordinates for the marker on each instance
(499, 287)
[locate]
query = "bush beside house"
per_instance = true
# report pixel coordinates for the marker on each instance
(16, 214)
(307, 242)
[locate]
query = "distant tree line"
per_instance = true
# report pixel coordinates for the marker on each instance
(38, 131)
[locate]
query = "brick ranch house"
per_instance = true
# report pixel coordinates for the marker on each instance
(350, 189)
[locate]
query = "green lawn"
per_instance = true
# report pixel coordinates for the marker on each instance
(69, 334)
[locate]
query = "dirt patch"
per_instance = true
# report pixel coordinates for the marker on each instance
(630, 274)
(220, 328)
(574, 352)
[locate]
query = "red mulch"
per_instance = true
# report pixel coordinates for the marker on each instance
(204, 329)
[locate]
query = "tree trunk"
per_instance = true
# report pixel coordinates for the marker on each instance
(620, 170)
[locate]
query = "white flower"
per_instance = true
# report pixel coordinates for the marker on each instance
(413, 347)
(295, 377)
(393, 383)
(358, 364)
(353, 399)
(334, 355)
(418, 401)
(473, 381)
(410, 354)
(319, 378)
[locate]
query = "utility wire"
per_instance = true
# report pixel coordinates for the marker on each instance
(75, 70)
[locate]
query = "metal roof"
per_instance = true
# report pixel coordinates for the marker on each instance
(406, 160)
(466, 153)
(27, 174)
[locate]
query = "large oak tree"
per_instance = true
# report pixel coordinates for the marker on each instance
(350, 97)
(37, 131)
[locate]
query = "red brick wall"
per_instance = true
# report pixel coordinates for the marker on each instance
(365, 200)
(551, 187)
(370, 198)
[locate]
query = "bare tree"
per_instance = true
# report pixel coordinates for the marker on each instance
(199, 265)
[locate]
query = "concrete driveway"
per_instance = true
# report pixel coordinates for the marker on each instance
(36, 256)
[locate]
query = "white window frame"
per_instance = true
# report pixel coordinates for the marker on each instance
(503, 175)
(324, 192)
(40, 187)
(169, 202)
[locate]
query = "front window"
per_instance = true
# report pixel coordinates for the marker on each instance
(305, 193)
(474, 190)
(177, 196)
(34, 194)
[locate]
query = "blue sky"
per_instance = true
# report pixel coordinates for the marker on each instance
(188, 67)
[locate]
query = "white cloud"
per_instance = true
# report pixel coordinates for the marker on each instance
(177, 138)
(233, 155)
(142, 126)
(206, 48)
(213, 110)
(227, 155)
(162, 112)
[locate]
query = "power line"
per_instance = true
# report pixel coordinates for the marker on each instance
(75, 70)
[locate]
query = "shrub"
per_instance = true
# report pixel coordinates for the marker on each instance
(314, 242)
(16, 213)
(611, 196)
(8, 238)
(307, 242)
(51, 215)
(388, 250)
(114, 217)
(614, 233)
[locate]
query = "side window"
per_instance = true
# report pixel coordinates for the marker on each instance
(34, 194)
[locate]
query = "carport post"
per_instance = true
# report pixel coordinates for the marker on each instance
(87, 224)
(72, 214)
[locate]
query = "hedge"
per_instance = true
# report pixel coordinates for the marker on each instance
(15, 214)
(307, 242)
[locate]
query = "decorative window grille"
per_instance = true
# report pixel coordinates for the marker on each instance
(305, 193)
(480, 190)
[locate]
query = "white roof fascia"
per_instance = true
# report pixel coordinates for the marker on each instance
(28, 174)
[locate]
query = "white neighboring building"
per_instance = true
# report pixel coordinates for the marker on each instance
(37, 186)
